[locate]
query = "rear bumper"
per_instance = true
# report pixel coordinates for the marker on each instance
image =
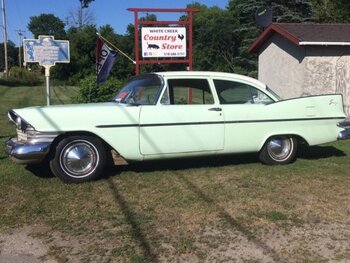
(23, 153)
(344, 134)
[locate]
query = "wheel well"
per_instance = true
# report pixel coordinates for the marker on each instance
(300, 140)
(60, 137)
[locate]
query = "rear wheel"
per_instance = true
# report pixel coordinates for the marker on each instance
(279, 150)
(78, 159)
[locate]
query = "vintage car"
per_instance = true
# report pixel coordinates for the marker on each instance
(172, 115)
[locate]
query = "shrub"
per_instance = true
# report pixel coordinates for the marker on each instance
(22, 77)
(89, 91)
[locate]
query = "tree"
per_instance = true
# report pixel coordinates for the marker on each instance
(329, 11)
(248, 30)
(123, 67)
(79, 17)
(82, 54)
(12, 55)
(47, 24)
(215, 40)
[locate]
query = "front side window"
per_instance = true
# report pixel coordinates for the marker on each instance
(142, 90)
(231, 92)
(187, 91)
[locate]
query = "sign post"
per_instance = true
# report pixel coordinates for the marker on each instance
(47, 52)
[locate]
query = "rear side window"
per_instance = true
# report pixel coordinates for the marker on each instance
(232, 92)
(187, 91)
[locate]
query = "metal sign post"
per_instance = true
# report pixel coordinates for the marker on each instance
(47, 52)
(47, 77)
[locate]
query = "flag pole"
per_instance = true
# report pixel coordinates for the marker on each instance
(111, 44)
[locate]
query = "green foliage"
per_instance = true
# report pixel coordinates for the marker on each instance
(123, 68)
(329, 11)
(89, 91)
(221, 37)
(247, 30)
(82, 55)
(276, 216)
(85, 3)
(215, 45)
(12, 55)
(47, 24)
(22, 77)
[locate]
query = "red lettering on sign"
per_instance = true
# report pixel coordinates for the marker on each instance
(171, 46)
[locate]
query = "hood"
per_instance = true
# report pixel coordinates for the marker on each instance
(73, 117)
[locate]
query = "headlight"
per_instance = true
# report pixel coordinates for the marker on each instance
(18, 121)
(21, 124)
(12, 117)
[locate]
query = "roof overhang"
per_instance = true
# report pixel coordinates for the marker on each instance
(310, 43)
(276, 28)
(271, 29)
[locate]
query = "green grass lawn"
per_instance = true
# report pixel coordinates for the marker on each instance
(227, 209)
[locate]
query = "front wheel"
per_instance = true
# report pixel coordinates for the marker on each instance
(78, 159)
(279, 150)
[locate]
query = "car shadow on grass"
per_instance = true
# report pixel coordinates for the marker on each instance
(304, 152)
(190, 163)
(233, 223)
(319, 152)
(139, 236)
(40, 170)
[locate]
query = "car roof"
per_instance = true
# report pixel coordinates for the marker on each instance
(212, 74)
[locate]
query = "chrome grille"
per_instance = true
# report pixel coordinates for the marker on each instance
(32, 136)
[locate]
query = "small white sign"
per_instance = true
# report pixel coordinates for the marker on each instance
(163, 42)
(46, 51)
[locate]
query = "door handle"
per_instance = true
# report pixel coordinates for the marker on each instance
(215, 109)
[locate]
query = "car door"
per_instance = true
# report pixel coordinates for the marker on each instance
(247, 115)
(185, 120)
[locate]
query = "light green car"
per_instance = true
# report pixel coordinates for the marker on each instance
(172, 115)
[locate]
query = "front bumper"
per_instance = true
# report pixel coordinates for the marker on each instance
(26, 153)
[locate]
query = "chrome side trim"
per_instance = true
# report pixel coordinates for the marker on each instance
(26, 153)
(344, 135)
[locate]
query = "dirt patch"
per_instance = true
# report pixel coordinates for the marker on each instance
(271, 242)
(20, 246)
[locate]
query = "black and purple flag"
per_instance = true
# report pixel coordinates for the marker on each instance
(105, 57)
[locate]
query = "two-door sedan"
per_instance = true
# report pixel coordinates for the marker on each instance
(172, 115)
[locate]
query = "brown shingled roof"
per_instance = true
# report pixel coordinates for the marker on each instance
(297, 33)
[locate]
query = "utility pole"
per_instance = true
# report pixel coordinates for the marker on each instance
(20, 34)
(5, 36)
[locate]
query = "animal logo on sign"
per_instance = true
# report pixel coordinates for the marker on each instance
(181, 37)
(152, 46)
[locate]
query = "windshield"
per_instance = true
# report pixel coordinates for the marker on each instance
(142, 90)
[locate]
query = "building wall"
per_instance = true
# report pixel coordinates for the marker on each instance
(279, 66)
(327, 70)
(294, 71)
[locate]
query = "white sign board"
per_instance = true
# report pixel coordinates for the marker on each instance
(46, 51)
(163, 42)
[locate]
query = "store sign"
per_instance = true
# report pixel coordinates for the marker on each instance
(163, 42)
(46, 51)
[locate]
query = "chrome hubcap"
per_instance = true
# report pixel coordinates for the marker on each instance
(280, 148)
(79, 158)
